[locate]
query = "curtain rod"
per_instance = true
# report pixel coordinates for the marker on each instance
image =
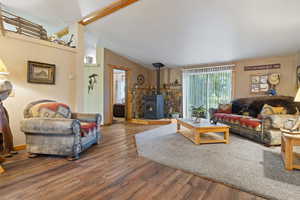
(209, 67)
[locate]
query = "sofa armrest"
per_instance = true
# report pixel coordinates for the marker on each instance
(276, 121)
(50, 126)
(85, 117)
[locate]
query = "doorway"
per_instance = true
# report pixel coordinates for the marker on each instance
(119, 95)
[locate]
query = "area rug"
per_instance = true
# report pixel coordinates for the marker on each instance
(242, 163)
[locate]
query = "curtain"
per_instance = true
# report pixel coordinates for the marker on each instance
(206, 87)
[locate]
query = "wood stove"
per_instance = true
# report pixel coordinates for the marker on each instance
(153, 106)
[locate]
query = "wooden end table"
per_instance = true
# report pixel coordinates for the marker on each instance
(1, 168)
(204, 127)
(289, 139)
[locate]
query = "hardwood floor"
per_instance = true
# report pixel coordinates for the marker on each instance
(111, 170)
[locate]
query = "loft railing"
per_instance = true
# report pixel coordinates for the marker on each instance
(14, 23)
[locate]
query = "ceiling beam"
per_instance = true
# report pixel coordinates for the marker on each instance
(98, 14)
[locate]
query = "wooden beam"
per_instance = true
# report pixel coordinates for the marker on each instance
(106, 11)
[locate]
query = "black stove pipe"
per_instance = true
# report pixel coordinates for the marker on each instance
(158, 66)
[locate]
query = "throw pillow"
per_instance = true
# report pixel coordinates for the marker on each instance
(225, 108)
(270, 110)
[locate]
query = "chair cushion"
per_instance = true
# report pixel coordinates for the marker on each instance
(51, 110)
(245, 121)
(87, 127)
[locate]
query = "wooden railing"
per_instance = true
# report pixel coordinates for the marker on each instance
(20, 25)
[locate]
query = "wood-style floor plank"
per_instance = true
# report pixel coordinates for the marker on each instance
(111, 170)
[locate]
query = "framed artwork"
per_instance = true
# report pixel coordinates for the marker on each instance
(264, 79)
(259, 84)
(40, 73)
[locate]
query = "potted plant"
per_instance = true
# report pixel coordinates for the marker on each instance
(198, 112)
(175, 115)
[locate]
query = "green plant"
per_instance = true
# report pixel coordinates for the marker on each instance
(198, 111)
(174, 113)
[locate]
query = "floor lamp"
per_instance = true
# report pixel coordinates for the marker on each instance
(5, 90)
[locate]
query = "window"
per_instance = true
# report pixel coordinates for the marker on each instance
(206, 87)
(119, 86)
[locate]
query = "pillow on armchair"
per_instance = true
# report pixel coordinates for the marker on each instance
(51, 110)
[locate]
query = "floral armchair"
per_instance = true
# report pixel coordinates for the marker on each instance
(51, 128)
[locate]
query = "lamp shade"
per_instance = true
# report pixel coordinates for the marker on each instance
(3, 69)
(297, 98)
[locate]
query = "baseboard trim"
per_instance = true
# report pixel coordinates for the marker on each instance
(20, 147)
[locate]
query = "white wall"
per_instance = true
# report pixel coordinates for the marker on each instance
(15, 51)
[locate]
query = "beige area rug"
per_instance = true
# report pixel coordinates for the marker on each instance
(243, 164)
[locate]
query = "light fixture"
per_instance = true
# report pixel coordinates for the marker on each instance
(297, 97)
(3, 69)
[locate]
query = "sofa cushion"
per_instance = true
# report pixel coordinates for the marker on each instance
(51, 110)
(270, 110)
(225, 108)
(86, 128)
(250, 122)
(219, 116)
(235, 119)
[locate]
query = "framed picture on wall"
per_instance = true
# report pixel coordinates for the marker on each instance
(264, 79)
(40, 73)
(255, 79)
(259, 84)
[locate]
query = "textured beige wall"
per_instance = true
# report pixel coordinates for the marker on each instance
(287, 71)
(111, 58)
(15, 53)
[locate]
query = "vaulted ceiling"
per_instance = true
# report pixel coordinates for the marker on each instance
(181, 33)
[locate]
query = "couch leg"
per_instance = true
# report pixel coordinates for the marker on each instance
(74, 157)
(32, 155)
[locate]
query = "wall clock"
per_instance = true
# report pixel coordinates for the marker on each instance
(140, 79)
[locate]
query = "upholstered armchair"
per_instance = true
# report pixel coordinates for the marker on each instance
(51, 128)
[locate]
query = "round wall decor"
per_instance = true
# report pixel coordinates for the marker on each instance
(274, 79)
(140, 79)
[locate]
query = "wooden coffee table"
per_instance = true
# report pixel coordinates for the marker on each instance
(195, 130)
